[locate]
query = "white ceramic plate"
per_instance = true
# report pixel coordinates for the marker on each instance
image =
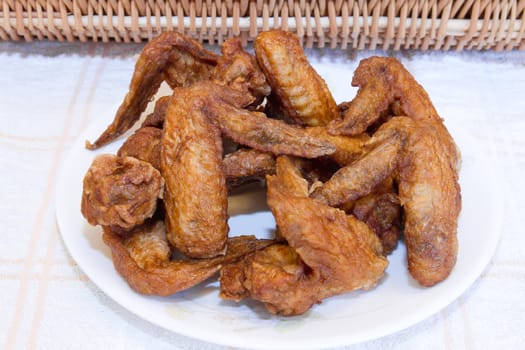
(396, 303)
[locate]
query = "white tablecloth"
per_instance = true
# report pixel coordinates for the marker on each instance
(49, 93)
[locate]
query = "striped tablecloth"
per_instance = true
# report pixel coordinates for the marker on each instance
(49, 93)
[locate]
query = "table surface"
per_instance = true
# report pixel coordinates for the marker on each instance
(49, 93)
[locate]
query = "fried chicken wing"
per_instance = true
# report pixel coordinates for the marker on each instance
(143, 259)
(144, 144)
(427, 165)
(329, 252)
(276, 276)
(373, 98)
(196, 196)
(302, 95)
(428, 191)
(381, 211)
(239, 167)
(347, 149)
(384, 82)
(232, 278)
(245, 165)
(382, 156)
(120, 192)
(171, 57)
(156, 118)
(254, 129)
(343, 181)
(191, 161)
(146, 244)
(239, 70)
(329, 240)
(223, 106)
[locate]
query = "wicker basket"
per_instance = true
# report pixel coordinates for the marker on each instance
(387, 24)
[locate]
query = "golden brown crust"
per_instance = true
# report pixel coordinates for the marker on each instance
(373, 98)
(362, 176)
(144, 144)
(120, 191)
(322, 251)
(381, 211)
(246, 165)
(191, 162)
(156, 118)
(384, 82)
(142, 258)
(428, 171)
(275, 276)
(302, 94)
(347, 148)
(329, 252)
(196, 195)
(431, 197)
(428, 191)
(162, 281)
(232, 279)
(344, 250)
(279, 278)
(238, 69)
(147, 245)
(171, 56)
(254, 129)
(239, 167)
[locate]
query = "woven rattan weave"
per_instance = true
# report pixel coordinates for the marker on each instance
(387, 24)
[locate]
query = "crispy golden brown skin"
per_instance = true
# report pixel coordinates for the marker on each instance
(428, 190)
(241, 166)
(191, 162)
(143, 259)
(254, 129)
(329, 240)
(347, 148)
(238, 69)
(302, 94)
(223, 107)
(121, 192)
(373, 98)
(156, 118)
(332, 253)
(246, 165)
(382, 155)
(381, 211)
(276, 276)
(196, 196)
(427, 166)
(146, 244)
(382, 152)
(144, 144)
(430, 194)
(384, 82)
(171, 57)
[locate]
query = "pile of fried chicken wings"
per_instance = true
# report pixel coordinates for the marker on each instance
(344, 182)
